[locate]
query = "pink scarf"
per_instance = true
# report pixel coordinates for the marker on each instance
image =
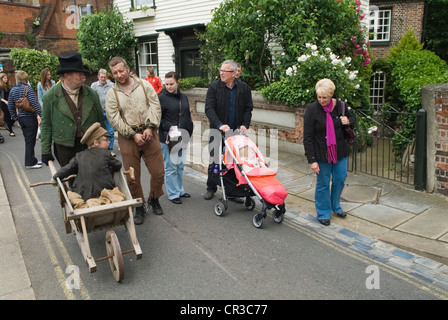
(332, 155)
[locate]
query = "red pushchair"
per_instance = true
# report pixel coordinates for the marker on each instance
(243, 172)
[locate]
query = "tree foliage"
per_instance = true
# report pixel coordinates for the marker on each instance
(412, 70)
(407, 42)
(267, 36)
(435, 35)
(104, 35)
(33, 62)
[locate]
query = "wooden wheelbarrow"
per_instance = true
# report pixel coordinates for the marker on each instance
(83, 221)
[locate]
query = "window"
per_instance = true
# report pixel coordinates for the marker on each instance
(85, 10)
(377, 90)
(147, 57)
(379, 24)
(138, 4)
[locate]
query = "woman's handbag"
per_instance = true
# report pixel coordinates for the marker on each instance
(24, 104)
(170, 141)
(349, 133)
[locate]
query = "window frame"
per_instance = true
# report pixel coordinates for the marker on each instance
(377, 89)
(136, 6)
(378, 16)
(154, 61)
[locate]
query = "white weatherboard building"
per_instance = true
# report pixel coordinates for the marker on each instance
(165, 32)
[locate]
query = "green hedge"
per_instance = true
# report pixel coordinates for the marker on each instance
(412, 70)
(33, 62)
(195, 82)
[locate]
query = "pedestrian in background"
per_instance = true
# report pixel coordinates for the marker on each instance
(28, 121)
(176, 117)
(228, 106)
(154, 80)
(326, 149)
(71, 107)
(239, 71)
(5, 88)
(102, 86)
(45, 84)
(133, 109)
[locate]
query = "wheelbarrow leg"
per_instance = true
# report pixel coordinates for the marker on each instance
(83, 242)
(130, 227)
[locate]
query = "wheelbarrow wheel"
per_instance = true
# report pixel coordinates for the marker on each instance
(115, 255)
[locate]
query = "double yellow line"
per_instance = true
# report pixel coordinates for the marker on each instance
(42, 219)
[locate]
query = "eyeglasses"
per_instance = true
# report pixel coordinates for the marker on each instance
(226, 70)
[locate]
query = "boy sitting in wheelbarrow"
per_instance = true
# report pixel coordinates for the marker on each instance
(93, 167)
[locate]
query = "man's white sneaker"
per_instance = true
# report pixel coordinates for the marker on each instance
(36, 166)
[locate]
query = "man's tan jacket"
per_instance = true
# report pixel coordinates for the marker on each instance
(135, 111)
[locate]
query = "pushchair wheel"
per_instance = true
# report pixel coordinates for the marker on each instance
(219, 208)
(278, 216)
(249, 203)
(257, 220)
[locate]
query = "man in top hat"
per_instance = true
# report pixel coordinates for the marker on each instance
(94, 166)
(71, 107)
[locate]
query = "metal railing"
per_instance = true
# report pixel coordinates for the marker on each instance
(383, 152)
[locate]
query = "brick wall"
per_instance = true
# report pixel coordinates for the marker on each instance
(57, 46)
(17, 18)
(435, 103)
(55, 32)
(406, 14)
(294, 135)
(441, 144)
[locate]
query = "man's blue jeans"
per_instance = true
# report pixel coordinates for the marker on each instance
(174, 171)
(328, 200)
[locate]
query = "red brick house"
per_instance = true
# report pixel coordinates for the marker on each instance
(389, 20)
(43, 24)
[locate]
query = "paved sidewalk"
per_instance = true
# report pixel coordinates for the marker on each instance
(387, 221)
(14, 281)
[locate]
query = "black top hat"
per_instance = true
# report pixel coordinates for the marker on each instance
(72, 62)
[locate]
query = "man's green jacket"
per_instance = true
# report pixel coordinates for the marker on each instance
(58, 123)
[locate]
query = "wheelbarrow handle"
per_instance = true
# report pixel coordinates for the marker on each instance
(31, 185)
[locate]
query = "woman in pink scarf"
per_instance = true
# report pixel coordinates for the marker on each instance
(326, 149)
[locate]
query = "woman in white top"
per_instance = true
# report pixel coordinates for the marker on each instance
(44, 85)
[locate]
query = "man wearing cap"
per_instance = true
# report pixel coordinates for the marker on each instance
(72, 108)
(94, 166)
(133, 109)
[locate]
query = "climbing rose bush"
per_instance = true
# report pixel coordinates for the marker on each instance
(297, 85)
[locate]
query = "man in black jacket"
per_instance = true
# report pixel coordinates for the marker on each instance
(228, 106)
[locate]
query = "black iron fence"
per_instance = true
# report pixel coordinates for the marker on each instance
(380, 149)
